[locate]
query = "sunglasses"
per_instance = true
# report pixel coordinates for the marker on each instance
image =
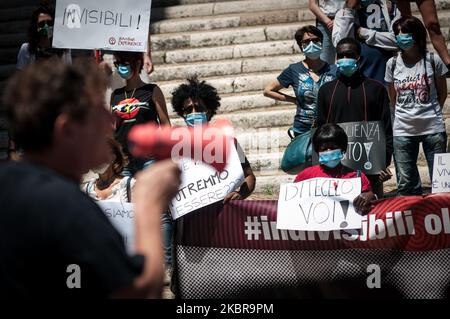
(198, 108)
(42, 24)
(308, 41)
(117, 63)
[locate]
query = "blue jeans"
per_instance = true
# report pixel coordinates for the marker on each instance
(135, 165)
(406, 150)
(328, 50)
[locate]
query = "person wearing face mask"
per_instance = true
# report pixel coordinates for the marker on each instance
(417, 89)
(110, 184)
(40, 33)
(197, 102)
(135, 103)
(370, 22)
(330, 142)
(353, 97)
(305, 77)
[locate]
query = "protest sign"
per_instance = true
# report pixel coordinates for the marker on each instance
(441, 173)
(121, 215)
(103, 24)
(202, 185)
(366, 150)
(319, 204)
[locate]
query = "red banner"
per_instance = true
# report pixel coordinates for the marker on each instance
(236, 251)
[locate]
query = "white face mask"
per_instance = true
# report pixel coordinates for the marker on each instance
(101, 168)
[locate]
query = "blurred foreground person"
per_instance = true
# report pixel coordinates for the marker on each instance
(55, 240)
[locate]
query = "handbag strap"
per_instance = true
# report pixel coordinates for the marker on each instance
(332, 99)
(290, 132)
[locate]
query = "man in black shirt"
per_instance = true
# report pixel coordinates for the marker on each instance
(54, 240)
(353, 97)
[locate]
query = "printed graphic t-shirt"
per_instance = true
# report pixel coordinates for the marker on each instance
(131, 109)
(306, 90)
(417, 111)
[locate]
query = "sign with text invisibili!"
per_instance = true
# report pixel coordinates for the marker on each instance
(115, 25)
(366, 150)
(441, 173)
(319, 204)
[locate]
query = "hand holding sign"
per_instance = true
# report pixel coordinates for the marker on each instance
(321, 204)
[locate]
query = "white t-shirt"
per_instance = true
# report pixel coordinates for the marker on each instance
(24, 57)
(119, 191)
(330, 7)
(416, 111)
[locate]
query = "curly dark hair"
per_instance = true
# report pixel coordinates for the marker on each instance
(196, 91)
(121, 159)
(33, 34)
(37, 95)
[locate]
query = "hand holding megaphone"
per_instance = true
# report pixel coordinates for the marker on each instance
(207, 143)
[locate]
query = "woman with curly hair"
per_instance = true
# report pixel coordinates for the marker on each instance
(111, 184)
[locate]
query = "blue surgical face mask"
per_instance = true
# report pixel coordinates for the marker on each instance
(347, 67)
(196, 118)
(404, 41)
(313, 50)
(124, 71)
(331, 158)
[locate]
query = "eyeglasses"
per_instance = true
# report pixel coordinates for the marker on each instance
(308, 41)
(42, 23)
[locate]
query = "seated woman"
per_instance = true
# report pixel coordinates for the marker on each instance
(197, 102)
(330, 142)
(111, 184)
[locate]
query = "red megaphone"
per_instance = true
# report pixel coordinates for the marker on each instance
(207, 143)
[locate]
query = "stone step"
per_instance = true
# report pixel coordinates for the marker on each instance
(223, 37)
(268, 183)
(238, 51)
(165, 3)
(233, 102)
(242, 18)
(223, 67)
(229, 84)
(238, 19)
(220, 8)
(261, 118)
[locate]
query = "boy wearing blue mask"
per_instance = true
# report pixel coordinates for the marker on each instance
(353, 97)
(197, 102)
(330, 142)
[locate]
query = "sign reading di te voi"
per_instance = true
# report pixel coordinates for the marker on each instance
(115, 25)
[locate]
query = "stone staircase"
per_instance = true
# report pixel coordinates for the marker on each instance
(239, 47)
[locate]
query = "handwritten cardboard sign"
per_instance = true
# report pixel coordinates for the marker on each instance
(121, 215)
(366, 150)
(202, 185)
(103, 24)
(319, 204)
(441, 173)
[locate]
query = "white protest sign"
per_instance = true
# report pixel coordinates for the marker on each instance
(102, 24)
(441, 173)
(319, 204)
(121, 215)
(202, 185)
